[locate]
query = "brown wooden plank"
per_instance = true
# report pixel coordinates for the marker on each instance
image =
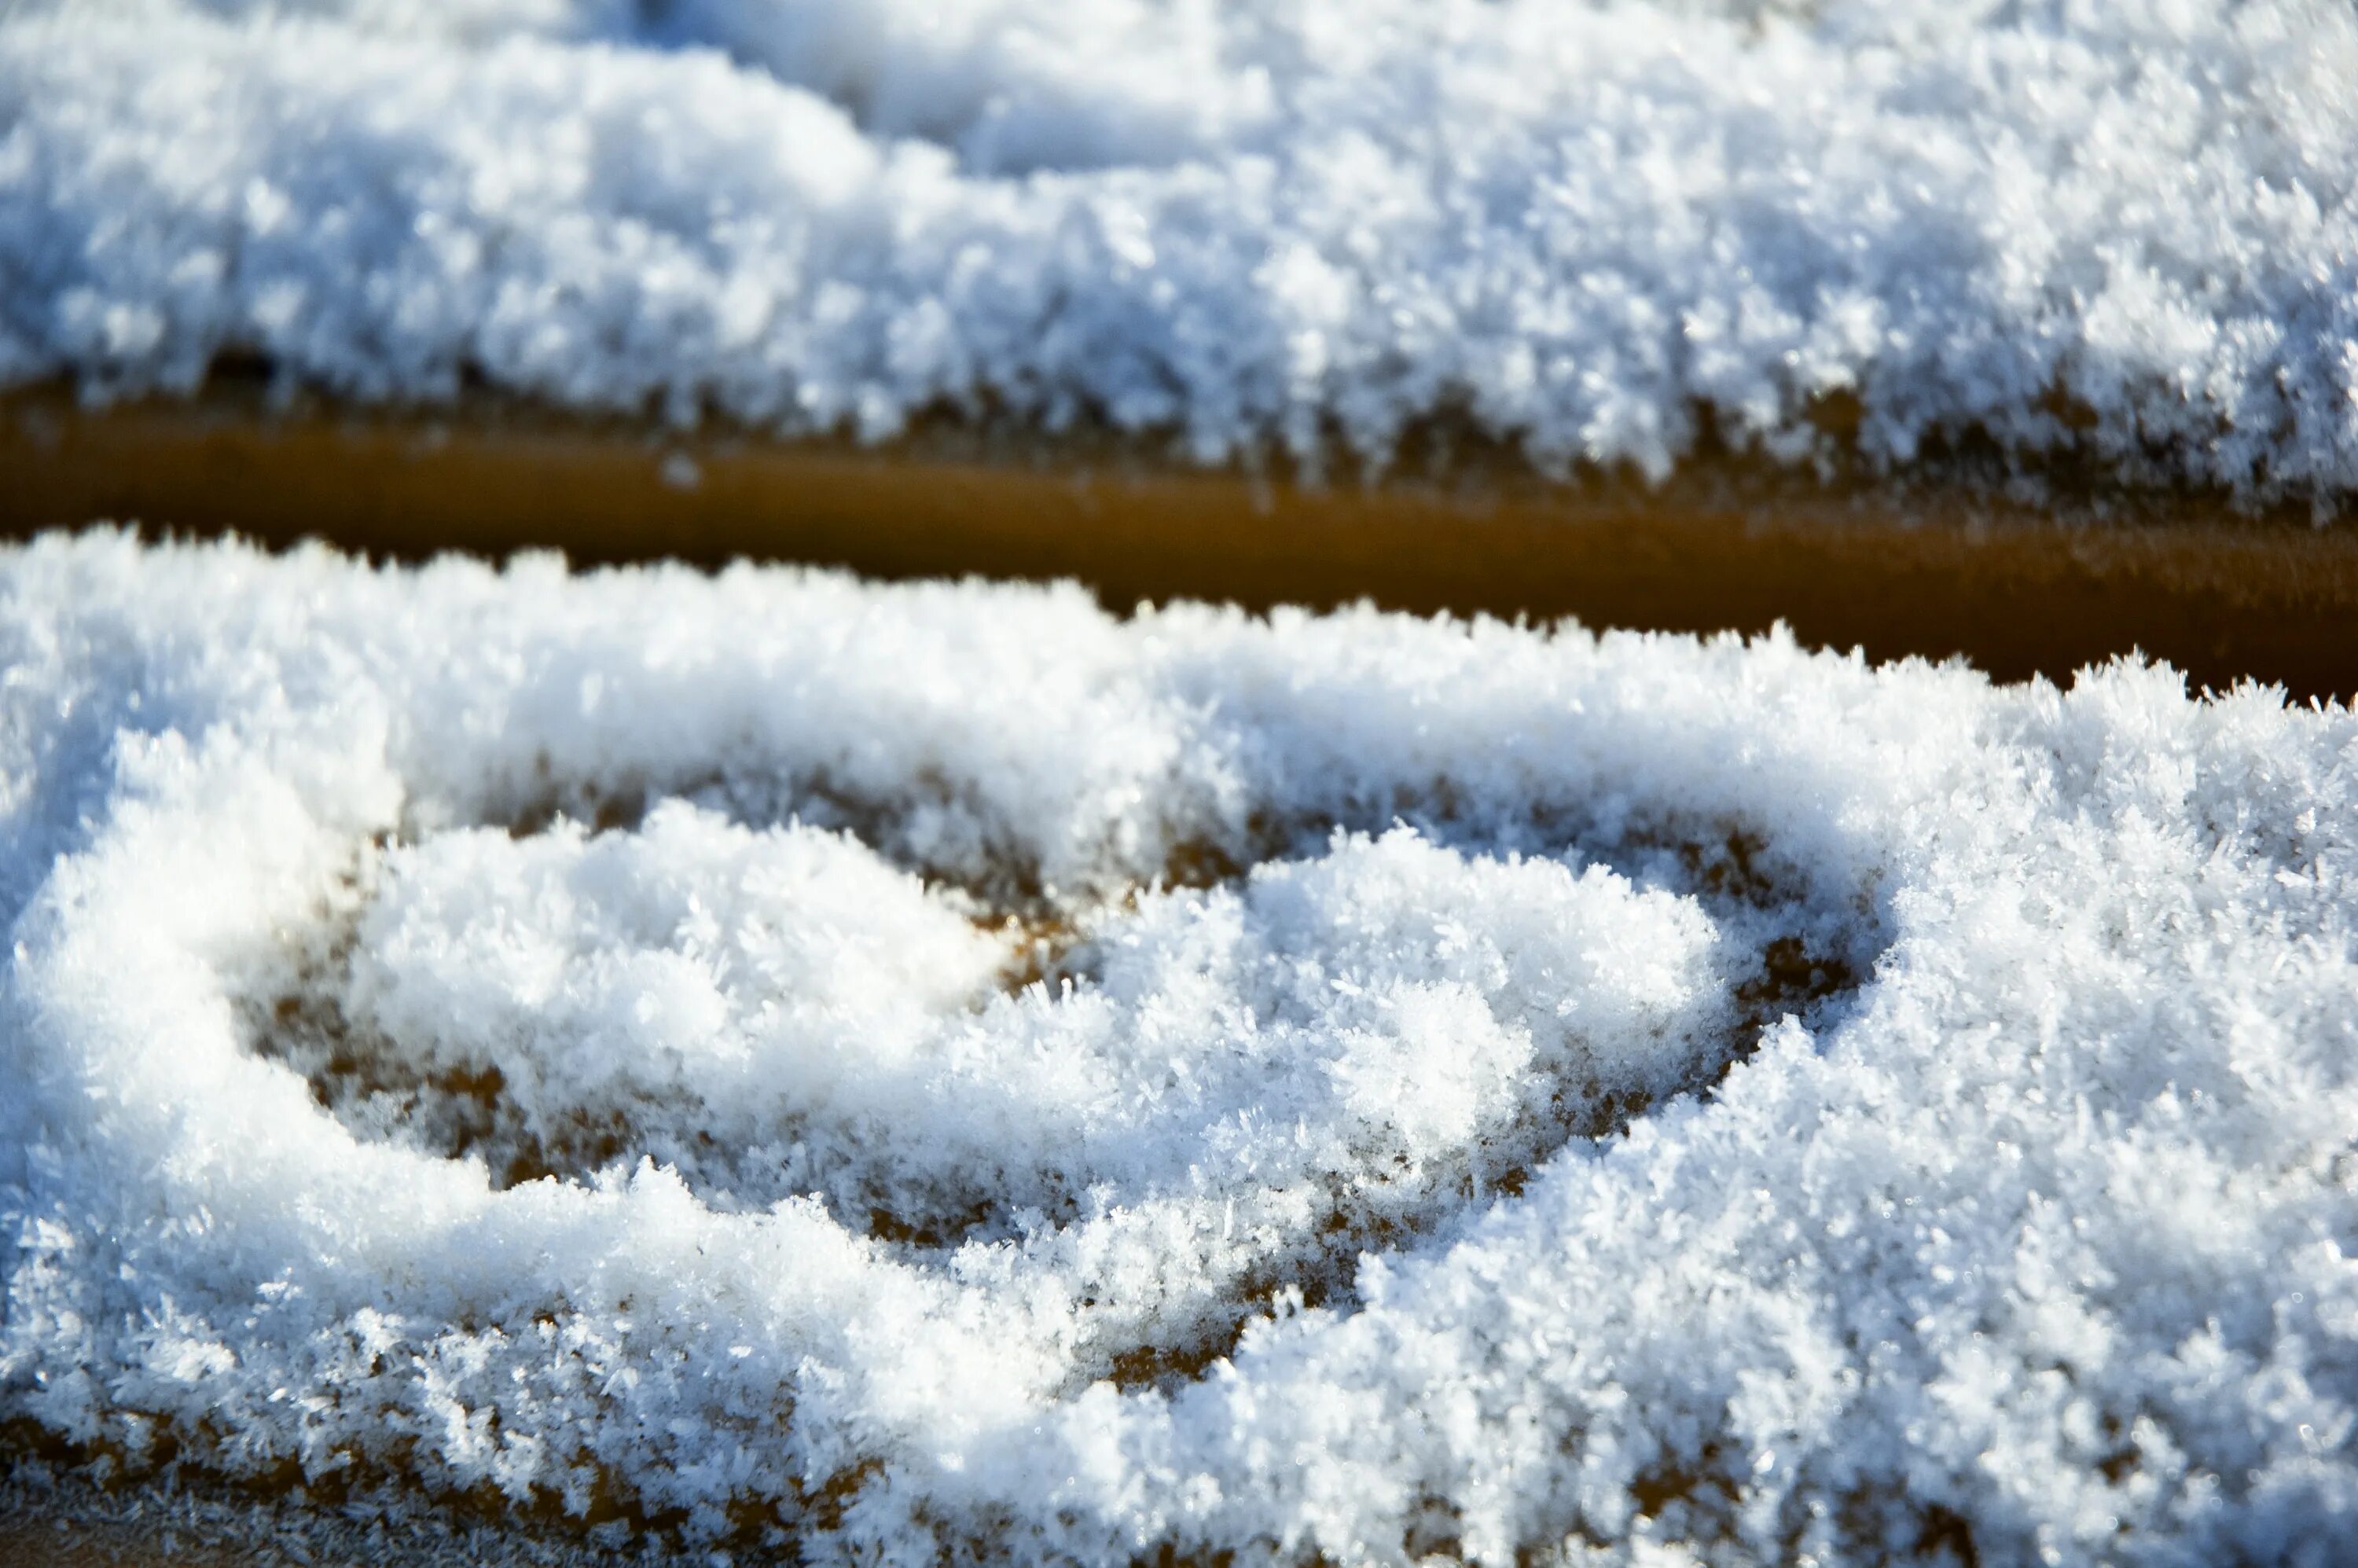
(1725, 544)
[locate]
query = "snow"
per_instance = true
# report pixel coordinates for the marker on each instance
(2124, 233)
(942, 1072)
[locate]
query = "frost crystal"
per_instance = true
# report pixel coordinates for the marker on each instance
(2125, 232)
(936, 1070)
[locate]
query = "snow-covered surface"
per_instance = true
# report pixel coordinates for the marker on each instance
(777, 1052)
(1250, 224)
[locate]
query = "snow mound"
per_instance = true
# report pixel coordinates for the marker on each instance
(933, 1071)
(2124, 232)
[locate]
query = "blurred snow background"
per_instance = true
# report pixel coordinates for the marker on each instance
(2124, 231)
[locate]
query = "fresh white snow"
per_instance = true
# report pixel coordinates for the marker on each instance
(1258, 227)
(786, 1054)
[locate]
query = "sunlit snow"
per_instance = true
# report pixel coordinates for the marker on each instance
(938, 1070)
(2127, 231)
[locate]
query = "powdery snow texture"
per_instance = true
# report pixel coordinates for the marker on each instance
(2127, 231)
(937, 1070)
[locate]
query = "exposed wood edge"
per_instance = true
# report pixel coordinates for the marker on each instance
(1724, 544)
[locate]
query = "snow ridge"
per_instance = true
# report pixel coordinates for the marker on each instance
(2125, 233)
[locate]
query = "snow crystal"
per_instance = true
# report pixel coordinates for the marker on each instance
(2126, 232)
(936, 1071)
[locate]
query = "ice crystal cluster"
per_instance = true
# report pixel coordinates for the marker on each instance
(929, 1071)
(2126, 231)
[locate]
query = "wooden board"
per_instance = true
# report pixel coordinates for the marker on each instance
(1724, 544)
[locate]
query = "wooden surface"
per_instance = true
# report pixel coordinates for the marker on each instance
(60, 1543)
(1932, 571)
(1724, 544)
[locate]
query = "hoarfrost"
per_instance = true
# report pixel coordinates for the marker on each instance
(2125, 231)
(934, 1070)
